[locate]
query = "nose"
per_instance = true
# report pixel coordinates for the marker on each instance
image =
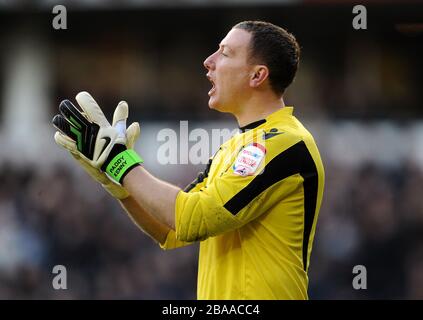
(209, 62)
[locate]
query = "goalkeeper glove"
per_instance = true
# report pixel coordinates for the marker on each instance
(101, 145)
(117, 191)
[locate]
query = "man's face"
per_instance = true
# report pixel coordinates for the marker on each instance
(229, 72)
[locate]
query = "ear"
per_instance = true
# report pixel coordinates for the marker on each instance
(259, 75)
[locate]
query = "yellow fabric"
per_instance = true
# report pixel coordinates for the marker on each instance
(171, 241)
(253, 248)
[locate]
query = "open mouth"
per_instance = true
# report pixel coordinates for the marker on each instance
(213, 89)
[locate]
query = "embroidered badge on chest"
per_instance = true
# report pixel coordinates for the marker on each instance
(249, 159)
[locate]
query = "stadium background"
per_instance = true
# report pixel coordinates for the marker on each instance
(359, 92)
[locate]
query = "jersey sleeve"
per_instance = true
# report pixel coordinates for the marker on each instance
(201, 179)
(236, 197)
(171, 241)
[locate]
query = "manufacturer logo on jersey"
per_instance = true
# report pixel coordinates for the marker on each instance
(249, 159)
(272, 133)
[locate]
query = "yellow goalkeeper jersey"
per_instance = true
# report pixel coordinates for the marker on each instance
(254, 210)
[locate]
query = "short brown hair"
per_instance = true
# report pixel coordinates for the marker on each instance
(276, 48)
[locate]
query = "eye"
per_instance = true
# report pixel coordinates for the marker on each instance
(223, 54)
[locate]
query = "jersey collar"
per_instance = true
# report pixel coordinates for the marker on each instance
(285, 111)
(252, 125)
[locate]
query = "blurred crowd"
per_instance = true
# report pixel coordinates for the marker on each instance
(370, 216)
(66, 219)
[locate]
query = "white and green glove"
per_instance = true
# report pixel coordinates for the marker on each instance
(98, 146)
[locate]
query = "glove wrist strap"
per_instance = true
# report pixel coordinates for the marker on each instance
(122, 163)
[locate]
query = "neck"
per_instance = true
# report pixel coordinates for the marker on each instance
(257, 109)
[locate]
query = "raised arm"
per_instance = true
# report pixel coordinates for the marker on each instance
(146, 222)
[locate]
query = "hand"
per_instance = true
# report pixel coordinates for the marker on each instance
(95, 143)
(117, 191)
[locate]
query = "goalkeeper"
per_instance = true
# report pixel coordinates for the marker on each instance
(255, 207)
